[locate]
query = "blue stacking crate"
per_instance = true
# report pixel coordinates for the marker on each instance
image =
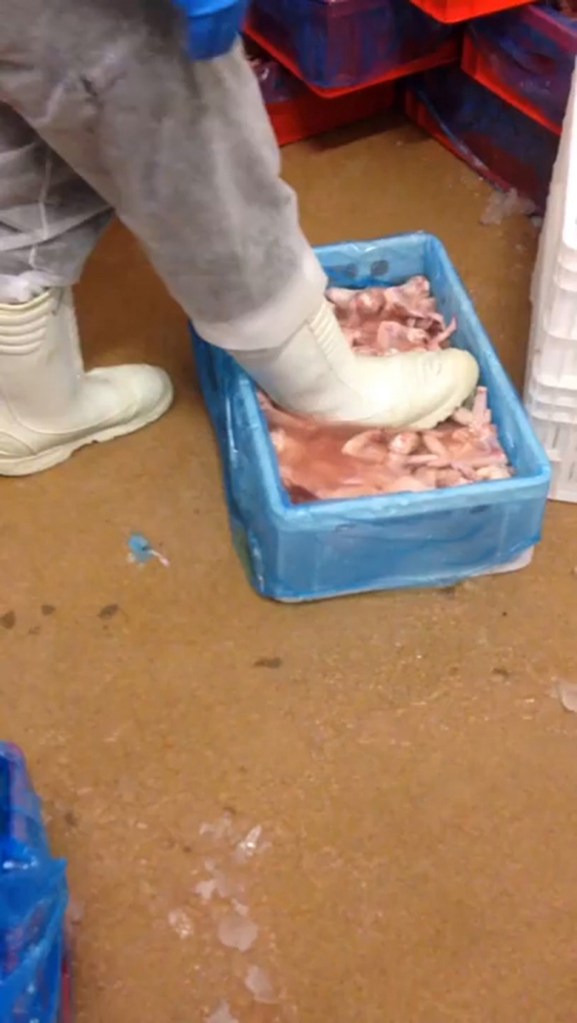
(527, 57)
(331, 548)
(338, 45)
(33, 900)
(497, 140)
(214, 25)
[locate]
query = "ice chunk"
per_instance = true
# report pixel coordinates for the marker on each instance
(220, 829)
(260, 985)
(236, 931)
(225, 886)
(181, 923)
(74, 913)
(249, 845)
(222, 1015)
(506, 204)
(567, 693)
(206, 889)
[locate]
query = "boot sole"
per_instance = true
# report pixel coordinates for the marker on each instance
(439, 416)
(32, 464)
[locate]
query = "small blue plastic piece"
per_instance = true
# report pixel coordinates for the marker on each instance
(393, 541)
(140, 548)
(33, 901)
(213, 26)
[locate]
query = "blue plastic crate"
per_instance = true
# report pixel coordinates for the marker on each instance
(487, 132)
(331, 548)
(214, 25)
(341, 44)
(33, 900)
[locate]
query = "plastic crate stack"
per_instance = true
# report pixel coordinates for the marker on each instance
(333, 62)
(502, 111)
(551, 381)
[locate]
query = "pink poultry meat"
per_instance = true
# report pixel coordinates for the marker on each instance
(320, 461)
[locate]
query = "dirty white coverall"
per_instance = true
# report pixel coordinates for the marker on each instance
(101, 110)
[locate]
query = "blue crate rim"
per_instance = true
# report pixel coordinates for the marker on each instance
(416, 503)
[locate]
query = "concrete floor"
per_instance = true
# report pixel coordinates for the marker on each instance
(409, 767)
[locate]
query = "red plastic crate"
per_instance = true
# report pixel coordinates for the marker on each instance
(276, 40)
(308, 114)
(450, 12)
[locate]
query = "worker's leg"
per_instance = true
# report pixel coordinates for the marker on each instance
(184, 153)
(49, 222)
(49, 218)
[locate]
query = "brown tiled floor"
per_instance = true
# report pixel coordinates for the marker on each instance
(414, 777)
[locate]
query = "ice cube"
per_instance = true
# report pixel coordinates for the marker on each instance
(236, 931)
(260, 985)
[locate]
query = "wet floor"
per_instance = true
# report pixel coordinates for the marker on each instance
(410, 777)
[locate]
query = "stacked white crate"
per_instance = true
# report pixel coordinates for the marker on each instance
(551, 381)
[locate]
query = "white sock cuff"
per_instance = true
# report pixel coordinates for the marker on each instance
(24, 287)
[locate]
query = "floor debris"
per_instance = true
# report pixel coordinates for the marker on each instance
(259, 984)
(567, 693)
(249, 845)
(237, 931)
(222, 1015)
(502, 205)
(181, 923)
(141, 551)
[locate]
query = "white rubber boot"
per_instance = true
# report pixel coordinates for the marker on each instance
(315, 373)
(49, 406)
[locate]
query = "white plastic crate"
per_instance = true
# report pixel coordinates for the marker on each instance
(551, 380)
(559, 438)
(552, 359)
(553, 411)
(540, 393)
(553, 341)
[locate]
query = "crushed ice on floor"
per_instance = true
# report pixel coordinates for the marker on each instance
(237, 931)
(232, 850)
(181, 923)
(259, 984)
(222, 1015)
(567, 694)
(502, 205)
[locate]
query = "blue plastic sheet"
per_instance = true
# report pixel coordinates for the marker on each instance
(329, 548)
(531, 51)
(344, 43)
(33, 900)
(214, 25)
(489, 133)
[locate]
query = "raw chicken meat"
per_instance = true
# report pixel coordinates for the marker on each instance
(320, 461)
(386, 321)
